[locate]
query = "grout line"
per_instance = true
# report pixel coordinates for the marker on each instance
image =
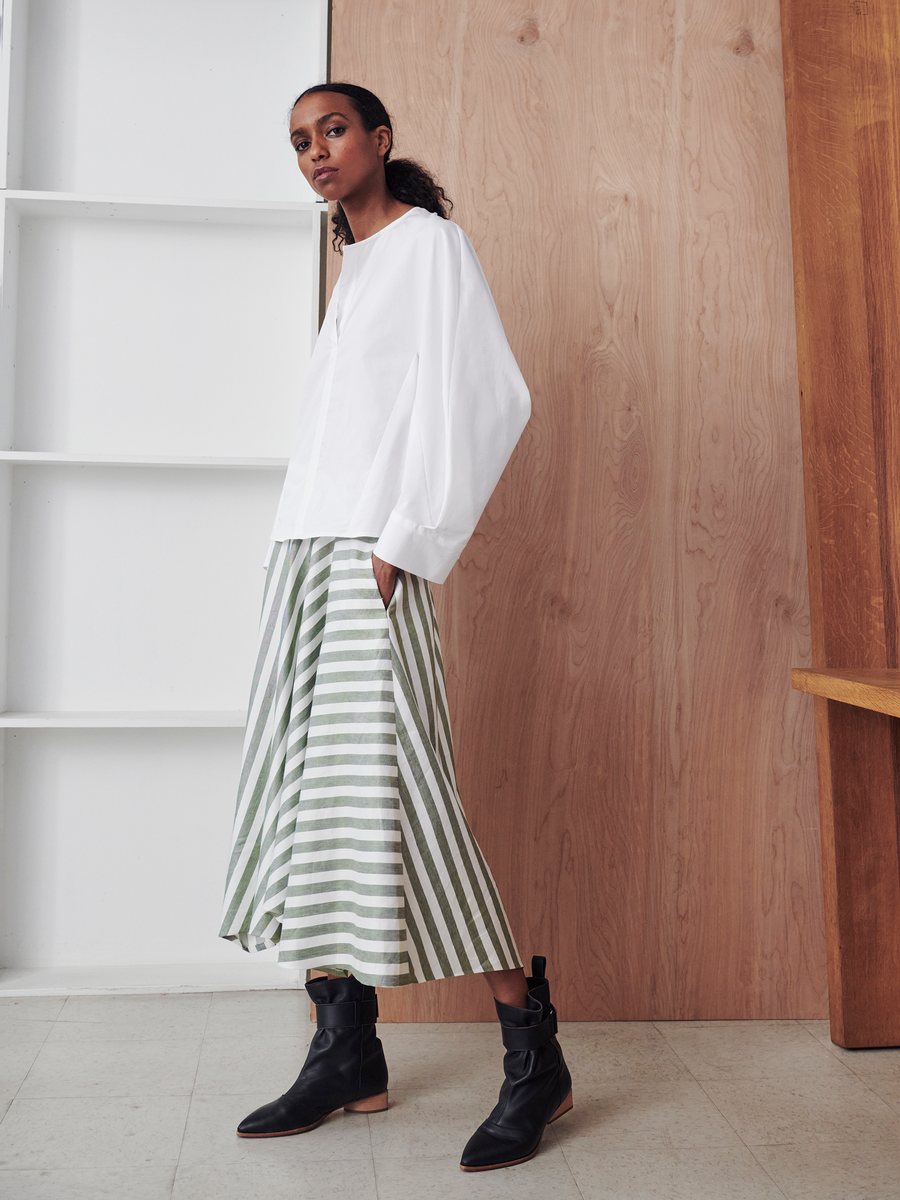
(31, 1067)
(832, 1048)
(562, 1151)
(767, 1171)
(372, 1148)
(699, 1083)
(672, 1050)
(866, 1083)
(15, 1096)
(187, 1115)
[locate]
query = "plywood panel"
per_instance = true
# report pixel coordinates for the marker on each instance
(620, 631)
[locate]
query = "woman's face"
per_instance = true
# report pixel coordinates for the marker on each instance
(337, 156)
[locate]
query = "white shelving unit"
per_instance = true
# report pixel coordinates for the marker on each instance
(36, 458)
(161, 293)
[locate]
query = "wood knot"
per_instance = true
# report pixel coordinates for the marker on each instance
(560, 608)
(744, 45)
(784, 608)
(529, 33)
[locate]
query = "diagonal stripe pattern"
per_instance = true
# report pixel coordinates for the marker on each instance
(351, 849)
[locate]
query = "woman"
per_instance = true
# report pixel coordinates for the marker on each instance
(352, 852)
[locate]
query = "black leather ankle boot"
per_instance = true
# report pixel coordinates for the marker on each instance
(537, 1088)
(344, 1068)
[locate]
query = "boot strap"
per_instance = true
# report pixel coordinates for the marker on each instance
(350, 1012)
(530, 1037)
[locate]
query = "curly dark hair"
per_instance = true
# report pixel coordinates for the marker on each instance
(406, 180)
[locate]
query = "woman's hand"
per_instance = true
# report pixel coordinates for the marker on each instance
(385, 577)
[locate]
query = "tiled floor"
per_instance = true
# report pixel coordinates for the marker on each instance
(137, 1097)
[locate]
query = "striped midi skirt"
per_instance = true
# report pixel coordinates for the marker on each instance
(351, 850)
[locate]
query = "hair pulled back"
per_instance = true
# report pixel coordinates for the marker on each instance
(407, 181)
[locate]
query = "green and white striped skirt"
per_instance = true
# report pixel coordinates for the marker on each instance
(351, 849)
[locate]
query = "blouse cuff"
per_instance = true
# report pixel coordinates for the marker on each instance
(419, 549)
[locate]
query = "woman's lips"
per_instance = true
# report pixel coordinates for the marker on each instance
(324, 173)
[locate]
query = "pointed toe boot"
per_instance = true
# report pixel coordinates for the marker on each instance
(344, 1068)
(537, 1088)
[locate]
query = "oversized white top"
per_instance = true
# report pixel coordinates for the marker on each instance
(412, 402)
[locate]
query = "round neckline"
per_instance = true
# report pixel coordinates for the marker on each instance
(373, 236)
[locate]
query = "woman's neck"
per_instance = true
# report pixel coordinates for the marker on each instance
(372, 214)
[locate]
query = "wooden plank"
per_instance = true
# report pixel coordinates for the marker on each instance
(619, 632)
(861, 871)
(877, 689)
(842, 89)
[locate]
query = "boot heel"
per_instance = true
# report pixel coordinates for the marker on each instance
(562, 1110)
(371, 1104)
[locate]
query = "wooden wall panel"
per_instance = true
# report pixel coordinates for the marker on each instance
(619, 632)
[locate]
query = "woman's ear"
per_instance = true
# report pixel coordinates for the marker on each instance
(384, 139)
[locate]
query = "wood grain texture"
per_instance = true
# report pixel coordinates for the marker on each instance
(842, 86)
(877, 689)
(619, 632)
(858, 755)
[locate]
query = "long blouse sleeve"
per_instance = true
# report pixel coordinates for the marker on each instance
(470, 407)
(412, 404)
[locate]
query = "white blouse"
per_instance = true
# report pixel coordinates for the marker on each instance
(412, 403)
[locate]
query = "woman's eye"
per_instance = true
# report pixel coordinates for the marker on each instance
(298, 146)
(338, 129)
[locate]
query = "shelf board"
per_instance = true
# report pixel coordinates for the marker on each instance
(42, 458)
(226, 212)
(256, 974)
(124, 719)
(875, 688)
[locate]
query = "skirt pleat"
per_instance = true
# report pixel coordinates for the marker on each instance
(351, 849)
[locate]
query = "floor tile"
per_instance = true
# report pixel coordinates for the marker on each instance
(834, 1172)
(275, 1014)
(451, 1055)
(289, 1179)
(210, 1138)
(428, 1122)
(438, 1177)
(25, 1032)
(68, 1134)
(652, 1115)
(135, 1183)
(30, 1008)
(620, 1052)
(127, 1068)
(15, 1063)
(819, 1029)
(825, 1109)
(821, 1121)
(881, 1064)
(237, 1066)
(747, 1049)
(725, 1174)
(886, 1090)
(139, 1018)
